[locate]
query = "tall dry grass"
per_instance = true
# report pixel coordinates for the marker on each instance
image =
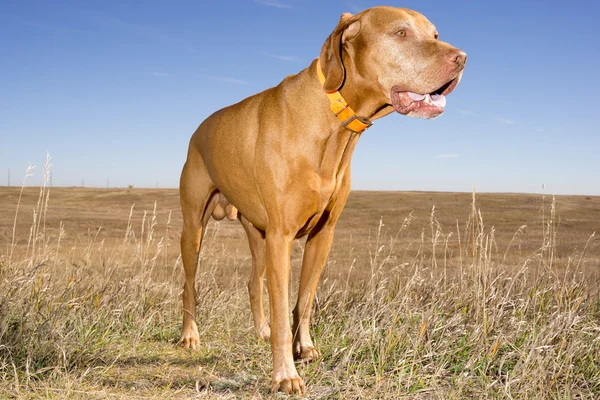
(460, 318)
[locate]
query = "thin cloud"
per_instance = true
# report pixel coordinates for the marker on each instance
(505, 121)
(273, 3)
(147, 32)
(161, 74)
(465, 111)
(282, 58)
(129, 27)
(49, 27)
(539, 129)
(447, 155)
(228, 80)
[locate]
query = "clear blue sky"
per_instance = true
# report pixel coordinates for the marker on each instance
(116, 88)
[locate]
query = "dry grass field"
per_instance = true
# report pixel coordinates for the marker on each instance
(424, 296)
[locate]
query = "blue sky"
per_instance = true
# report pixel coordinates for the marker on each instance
(114, 89)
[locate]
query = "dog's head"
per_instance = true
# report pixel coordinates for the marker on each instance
(398, 53)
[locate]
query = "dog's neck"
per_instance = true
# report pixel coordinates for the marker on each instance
(364, 96)
(338, 142)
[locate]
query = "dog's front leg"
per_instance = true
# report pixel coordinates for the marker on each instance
(315, 256)
(285, 376)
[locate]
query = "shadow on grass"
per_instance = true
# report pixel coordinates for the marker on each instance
(161, 366)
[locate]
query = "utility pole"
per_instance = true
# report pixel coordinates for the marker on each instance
(9, 177)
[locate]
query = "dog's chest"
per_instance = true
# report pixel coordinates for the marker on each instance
(331, 192)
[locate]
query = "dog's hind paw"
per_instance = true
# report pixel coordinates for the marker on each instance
(189, 340)
(305, 353)
(264, 332)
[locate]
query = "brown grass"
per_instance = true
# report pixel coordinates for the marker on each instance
(486, 296)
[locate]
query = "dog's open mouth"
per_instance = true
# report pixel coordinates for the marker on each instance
(428, 105)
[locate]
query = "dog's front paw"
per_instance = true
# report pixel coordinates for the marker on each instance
(293, 385)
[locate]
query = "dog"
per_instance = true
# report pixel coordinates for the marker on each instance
(279, 161)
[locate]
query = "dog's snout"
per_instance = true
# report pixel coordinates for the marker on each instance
(458, 57)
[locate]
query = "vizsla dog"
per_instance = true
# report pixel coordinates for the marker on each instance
(279, 161)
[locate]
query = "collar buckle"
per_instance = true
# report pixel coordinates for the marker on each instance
(356, 124)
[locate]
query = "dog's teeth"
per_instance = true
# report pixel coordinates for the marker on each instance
(439, 100)
(416, 96)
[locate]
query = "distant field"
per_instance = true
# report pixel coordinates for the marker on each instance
(102, 215)
(425, 295)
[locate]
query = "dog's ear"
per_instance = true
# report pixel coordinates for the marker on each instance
(331, 52)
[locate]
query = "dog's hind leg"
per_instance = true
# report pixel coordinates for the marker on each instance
(198, 199)
(257, 244)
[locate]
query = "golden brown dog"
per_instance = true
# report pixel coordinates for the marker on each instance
(282, 158)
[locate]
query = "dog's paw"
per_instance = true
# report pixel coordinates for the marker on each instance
(294, 385)
(305, 353)
(264, 332)
(190, 339)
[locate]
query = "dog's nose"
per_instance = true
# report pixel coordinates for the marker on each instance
(458, 57)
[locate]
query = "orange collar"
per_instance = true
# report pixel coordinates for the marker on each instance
(342, 110)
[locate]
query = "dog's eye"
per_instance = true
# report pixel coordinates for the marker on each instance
(436, 36)
(401, 33)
